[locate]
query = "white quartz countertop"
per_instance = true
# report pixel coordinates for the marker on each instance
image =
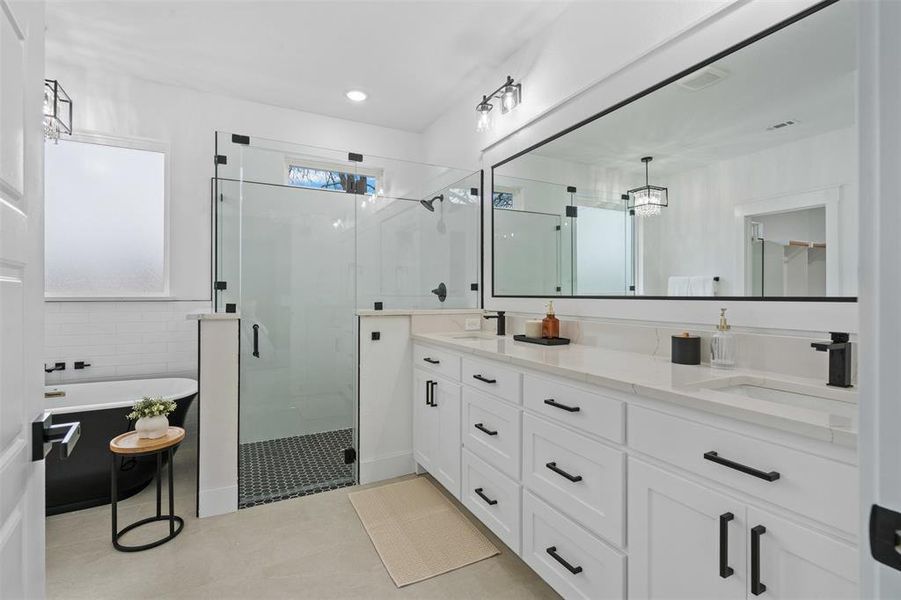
(394, 312)
(213, 316)
(832, 418)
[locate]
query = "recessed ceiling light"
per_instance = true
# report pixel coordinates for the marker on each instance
(356, 95)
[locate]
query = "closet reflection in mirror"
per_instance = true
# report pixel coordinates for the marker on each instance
(738, 179)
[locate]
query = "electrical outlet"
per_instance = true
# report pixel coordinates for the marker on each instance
(473, 324)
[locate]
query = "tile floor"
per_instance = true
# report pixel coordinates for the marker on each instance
(291, 467)
(308, 547)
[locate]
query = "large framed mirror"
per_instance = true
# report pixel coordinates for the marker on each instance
(734, 179)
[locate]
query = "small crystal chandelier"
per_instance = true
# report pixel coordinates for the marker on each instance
(57, 111)
(647, 200)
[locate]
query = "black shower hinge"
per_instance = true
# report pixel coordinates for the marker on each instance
(631, 212)
(377, 305)
(354, 157)
(240, 139)
(473, 191)
(631, 288)
(350, 456)
(572, 211)
(474, 287)
(571, 189)
(376, 336)
(559, 289)
(221, 285)
(556, 228)
(221, 159)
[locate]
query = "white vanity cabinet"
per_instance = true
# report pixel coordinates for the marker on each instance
(598, 488)
(436, 427)
(686, 541)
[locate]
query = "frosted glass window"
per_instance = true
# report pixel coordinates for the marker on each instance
(105, 230)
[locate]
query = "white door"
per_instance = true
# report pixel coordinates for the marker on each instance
(446, 402)
(879, 130)
(425, 419)
(21, 297)
(797, 563)
(675, 533)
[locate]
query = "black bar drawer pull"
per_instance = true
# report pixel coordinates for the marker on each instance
(434, 402)
(555, 404)
(766, 476)
(484, 379)
(553, 552)
(757, 587)
(481, 427)
(431, 361)
(428, 393)
(256, 340)
(725, 569)
(488, 501)
(553, 467)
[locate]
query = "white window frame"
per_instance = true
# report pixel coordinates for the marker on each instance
(149, 145)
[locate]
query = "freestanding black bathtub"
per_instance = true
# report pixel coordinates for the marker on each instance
(83, 479)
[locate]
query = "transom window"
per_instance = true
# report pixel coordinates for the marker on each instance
(502, 199)
(327, 179)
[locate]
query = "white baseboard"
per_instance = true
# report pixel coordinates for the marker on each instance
(218, 501)
(386, 467)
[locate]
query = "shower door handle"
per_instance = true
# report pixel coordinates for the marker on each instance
(256, 340)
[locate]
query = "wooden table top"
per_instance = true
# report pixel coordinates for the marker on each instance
(130, 443)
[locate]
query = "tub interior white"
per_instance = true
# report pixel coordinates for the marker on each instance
(113, 394)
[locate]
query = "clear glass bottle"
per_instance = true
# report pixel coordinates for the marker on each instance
(722, 345)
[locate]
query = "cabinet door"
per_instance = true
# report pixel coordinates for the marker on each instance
(446, 458)
(425, 420)
(675, 532)
(796, 562)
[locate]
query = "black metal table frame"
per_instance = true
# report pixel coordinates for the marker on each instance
(171, 517)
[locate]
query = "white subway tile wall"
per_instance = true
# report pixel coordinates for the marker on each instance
(121, 339)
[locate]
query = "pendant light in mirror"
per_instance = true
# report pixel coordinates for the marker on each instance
(647, 200)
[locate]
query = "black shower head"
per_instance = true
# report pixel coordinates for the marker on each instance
(430, 204)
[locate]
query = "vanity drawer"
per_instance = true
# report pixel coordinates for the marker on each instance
(438, 360)
(820, 488)
(491, 377)
(583, 478)
(584, 410)
(491, 430)
(494, 498)
(554, 547)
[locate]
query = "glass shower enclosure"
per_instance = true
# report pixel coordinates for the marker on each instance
(304, 237)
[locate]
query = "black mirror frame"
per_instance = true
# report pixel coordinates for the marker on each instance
(718, 56)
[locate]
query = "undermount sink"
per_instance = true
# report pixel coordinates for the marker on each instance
(839, 404)
(471, 336)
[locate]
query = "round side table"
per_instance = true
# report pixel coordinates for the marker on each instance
(129, 444)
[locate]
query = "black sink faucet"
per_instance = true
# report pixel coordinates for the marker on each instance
(501, 322)
(839, 358)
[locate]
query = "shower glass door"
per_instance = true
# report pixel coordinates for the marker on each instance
(288, 253)
(304, 237)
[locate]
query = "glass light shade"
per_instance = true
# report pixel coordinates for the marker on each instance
(510, 98)
(484, 122)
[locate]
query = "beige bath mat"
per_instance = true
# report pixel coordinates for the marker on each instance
(417, 532)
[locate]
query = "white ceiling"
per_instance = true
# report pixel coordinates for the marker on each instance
(415, 59)
(806, 72)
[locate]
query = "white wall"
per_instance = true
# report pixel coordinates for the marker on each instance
(571, 72)
(185, 121)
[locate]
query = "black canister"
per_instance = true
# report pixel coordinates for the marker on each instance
(686, 349)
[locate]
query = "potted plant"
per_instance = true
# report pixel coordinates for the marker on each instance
(150, 414)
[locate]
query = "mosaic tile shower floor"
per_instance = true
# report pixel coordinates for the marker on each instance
(290, 467)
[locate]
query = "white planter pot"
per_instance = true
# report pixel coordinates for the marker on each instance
(151, 428)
